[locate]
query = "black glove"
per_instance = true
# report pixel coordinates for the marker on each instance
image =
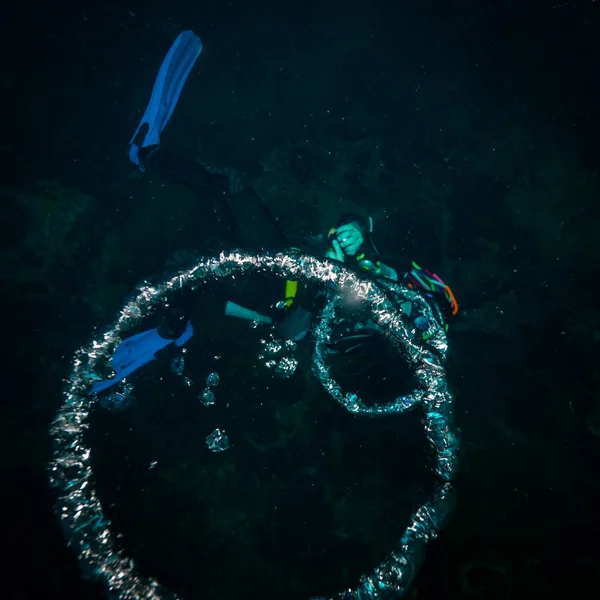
(295, 325)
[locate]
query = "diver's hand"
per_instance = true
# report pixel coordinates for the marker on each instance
(350, 238)
(335, 251)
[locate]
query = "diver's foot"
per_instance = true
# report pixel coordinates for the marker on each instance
(234, 179)
(145, 154)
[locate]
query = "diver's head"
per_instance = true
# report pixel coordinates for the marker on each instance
(357, 220)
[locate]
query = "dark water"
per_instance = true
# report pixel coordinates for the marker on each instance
(469, 133)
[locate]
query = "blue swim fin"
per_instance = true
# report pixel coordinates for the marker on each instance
(173, 72)
(136, 351)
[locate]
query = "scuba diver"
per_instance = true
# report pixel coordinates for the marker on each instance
(349, 241)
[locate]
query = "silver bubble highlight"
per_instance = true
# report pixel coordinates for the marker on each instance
(80, 509)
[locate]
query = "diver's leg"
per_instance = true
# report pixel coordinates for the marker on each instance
(258, 227)
(183, 169)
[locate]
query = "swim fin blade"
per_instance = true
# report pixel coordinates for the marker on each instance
(169, 82)
(136, 351)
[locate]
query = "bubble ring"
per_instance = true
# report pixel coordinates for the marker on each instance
(79, 507)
